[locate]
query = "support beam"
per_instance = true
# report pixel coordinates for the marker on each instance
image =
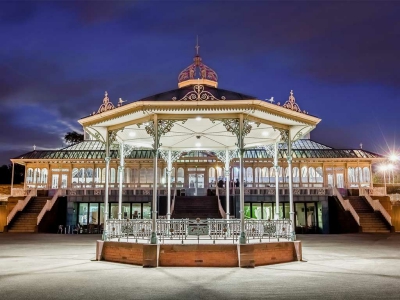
(121, 178)
(276, 167)
(169, 171)
(242, 238)
(291, 204)
(227, 185)
(106, 190)
(155, 160)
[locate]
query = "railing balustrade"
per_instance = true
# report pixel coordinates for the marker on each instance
(201, 230)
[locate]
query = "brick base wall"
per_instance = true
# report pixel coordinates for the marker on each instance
(128, 253)
(198, 256)
(249, 255)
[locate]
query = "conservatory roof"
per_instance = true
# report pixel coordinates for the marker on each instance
(302, 148)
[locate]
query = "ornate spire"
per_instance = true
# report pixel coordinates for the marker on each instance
(107, 104)
(197, 70)
(291, 103)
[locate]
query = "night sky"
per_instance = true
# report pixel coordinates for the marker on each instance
(342, 60)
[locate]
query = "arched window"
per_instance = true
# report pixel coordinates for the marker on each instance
(235, 173)
(75, 175)
(29, 177)
(89, 175)
(271, 174)
(249, 175)
(103, 175)
(319, 173)
(359, 175)
(97, 175)
(135, 175)
(36, 176)
(296, 174)
(264, 177)
(285, 174)
(220, 173)
(112, 175)
(311, 174)
(81, 175)
(149, 175)
(257, 175)
(128, 175)
(43, 176)
(351, 175)
(366, 174)
(304, 175)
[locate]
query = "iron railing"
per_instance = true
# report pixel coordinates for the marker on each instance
(210, 230)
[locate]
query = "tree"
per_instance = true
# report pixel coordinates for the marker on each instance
(73, 137)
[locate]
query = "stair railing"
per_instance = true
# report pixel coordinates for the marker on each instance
(347, 205)
(20, 205)
(377, 206)
(48, 206)
(221, 209)
(173, 202)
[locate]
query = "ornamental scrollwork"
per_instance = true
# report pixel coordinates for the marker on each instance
(221, 155)
(198, 94)
(107, 104)
(291, 103)
(175, 155)
(163, 126)
(112, 136)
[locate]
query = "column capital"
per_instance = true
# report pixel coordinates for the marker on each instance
(121, 168)
(107, 159)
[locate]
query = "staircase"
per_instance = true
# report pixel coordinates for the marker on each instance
(370, 220)
(26, 220)
(193, 207)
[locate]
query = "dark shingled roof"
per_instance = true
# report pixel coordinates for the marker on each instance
(180, 93)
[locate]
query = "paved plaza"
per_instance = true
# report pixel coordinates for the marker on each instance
(49, 266)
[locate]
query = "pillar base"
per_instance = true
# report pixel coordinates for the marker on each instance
(242, 238)
(153, 239)
(293, 236)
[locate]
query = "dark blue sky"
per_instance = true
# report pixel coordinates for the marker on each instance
(342, 59)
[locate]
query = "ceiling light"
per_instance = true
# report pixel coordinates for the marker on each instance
(132, 133)
(198, 118)
(198, 144)
(265, 133)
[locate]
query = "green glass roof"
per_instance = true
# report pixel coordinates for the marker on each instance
(96, 150)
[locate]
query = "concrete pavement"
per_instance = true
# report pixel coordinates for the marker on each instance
(49, 266)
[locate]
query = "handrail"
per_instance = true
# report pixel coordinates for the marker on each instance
(221, 209)
(173, 202)
(346, 205)
(48, 206)
(20, 205)
(377, 206)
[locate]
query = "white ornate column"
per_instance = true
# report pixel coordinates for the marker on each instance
(121, 178)
(155, 160)
(169, 156)
(288, 140)
(225, 156)
(276, 167)
(106, 188)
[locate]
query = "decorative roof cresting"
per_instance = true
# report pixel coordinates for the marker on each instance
(198, 94)
(107, 104)
(291, 104)
(198, 70)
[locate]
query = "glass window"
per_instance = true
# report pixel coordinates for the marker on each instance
(311, 217)
(287, 210)
(300, 215)
(83, 213)
(247, 211)
(146, 210)
(114, 211)
(256, 212)
(126, 210)
(94, 213)
(136, 210)
(268, 211)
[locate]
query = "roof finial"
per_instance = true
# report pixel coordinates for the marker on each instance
(34, 147)
(197, 45)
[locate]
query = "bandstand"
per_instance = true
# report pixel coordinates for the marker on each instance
(199, 116)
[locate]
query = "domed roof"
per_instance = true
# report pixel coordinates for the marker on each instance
(197, 71)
